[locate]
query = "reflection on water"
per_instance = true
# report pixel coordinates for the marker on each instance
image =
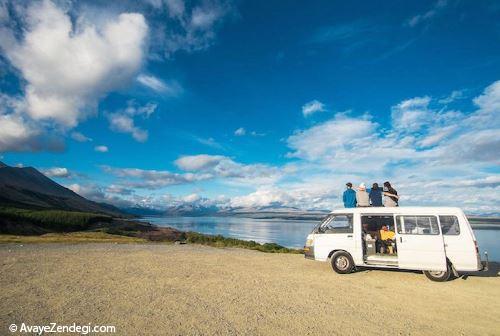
(289, 233)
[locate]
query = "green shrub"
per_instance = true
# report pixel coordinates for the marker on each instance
(221, 241)
(54, 220)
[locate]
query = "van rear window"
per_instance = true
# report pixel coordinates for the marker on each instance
(449, 225)
(418, 225)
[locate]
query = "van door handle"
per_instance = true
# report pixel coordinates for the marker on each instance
(400, 239)
(349, 236)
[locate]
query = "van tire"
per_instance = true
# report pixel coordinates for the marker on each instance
(439, 276)
(342, 262)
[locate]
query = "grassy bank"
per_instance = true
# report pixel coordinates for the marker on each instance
(72, 237)
(221, 241)
(27, 221)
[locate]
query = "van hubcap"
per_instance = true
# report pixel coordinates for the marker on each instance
(342, 262)
(437, 274)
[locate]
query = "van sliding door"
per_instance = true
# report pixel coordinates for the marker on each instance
(420, 243)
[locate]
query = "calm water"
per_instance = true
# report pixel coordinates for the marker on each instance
(289, 233)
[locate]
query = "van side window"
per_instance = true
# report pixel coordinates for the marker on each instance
(337, 224)
(449, 225)
(417, 225)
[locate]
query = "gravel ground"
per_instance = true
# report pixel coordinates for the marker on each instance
(156, 289)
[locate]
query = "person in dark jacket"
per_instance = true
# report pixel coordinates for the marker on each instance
(391, 198)
(349, 196)
(376, 196)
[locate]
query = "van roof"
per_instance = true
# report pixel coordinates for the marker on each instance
(399, 210)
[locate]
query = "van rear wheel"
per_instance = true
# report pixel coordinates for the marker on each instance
(342, 262)
(439, 276)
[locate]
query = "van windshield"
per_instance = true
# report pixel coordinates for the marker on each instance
(338, 223)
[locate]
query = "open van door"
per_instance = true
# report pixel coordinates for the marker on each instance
(420, 243)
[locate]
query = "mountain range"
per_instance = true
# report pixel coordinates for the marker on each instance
(26, 187)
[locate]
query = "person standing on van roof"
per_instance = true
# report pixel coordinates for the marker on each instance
(391, 197)
(349, 196)
(376, 196)
(362, 197)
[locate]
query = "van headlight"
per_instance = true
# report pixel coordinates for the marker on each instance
(309, 242)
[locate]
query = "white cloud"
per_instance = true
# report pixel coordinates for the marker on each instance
(243, 131)
(171, 89)
(223, 167)
(175, 8)
(331, 139)
(240, 132)
(438, 6)
(312, 107)
(191, 198)
(210, 142)
(489, 101)
(69, 67)
(151, 179)
(454, 96)
(56, 172)
(101, 149)
(77, 136)
(125, 124)
(17, 135)
(122, 121)
(411, 114)
(20, 133)
(198, 162)
(190, 27)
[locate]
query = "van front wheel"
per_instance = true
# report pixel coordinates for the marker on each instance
(439, 276)
(342, 262)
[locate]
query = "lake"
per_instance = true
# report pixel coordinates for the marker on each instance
(289, 233)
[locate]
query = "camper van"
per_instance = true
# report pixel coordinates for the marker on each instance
(438, 241)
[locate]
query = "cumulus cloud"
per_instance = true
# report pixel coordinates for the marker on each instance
(123, 120)
(67, 66)
(331, 139)
(151, 179)
(198, 162)
(125, 124)
(20, 133)
(411, 114)
(101, 149)
(224, 167)
(312, 107)
(60, 172)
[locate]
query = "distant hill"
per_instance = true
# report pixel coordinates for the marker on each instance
(28, 188)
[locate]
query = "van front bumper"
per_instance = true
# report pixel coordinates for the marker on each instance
(309, 252)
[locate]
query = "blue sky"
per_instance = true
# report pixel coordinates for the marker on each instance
(251, 103)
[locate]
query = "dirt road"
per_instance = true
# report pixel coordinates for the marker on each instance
(148, 289)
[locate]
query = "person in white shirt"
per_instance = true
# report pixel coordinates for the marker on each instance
(362, 197)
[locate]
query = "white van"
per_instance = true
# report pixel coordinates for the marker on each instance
(437, 241)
